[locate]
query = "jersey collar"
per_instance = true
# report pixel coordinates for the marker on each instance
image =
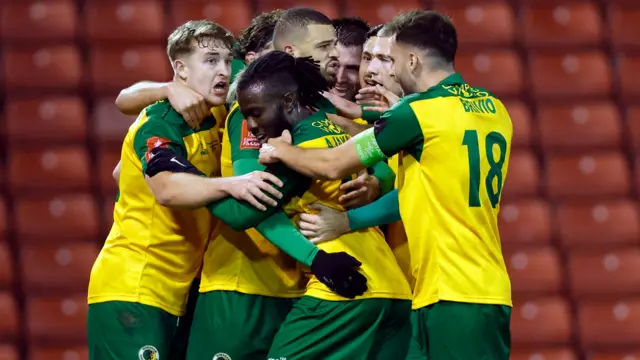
(453, 79)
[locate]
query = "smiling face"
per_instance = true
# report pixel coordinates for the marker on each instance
(348, 80)
(207, 69)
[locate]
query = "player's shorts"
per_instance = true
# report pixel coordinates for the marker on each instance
(178, 349)
(231, 325)
(451, 330)
(356, 329)
(118, 330)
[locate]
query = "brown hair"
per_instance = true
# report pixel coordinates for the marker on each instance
(181, 40)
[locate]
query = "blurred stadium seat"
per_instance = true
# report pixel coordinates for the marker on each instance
(379, 11)
(6, 267)
(327, 7)
(604, 324)
(541, 322)
(522, 124)
(3, 219)
(604, 274)
(544, 354)
(498, 70)
(524, 175)
(8, 352)
(633, 123)
(10, 315)
(57, 67)
(130, 21)
(57, 353)
(55, 168)
(624, 22)
(534, 271)
(108, 158)
(51, 20)
(234, 16)
(524, 222)
(629, 75)
(562, 24)
(56, 321)
(109, 124)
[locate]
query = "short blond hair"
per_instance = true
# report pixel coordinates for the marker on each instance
(181, 40)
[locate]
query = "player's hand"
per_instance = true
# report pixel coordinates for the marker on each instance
(327, 224)
(361, 191)
(338, 271)
(345, 108)
(188, 103)
(252, 187)
(386, 100)
(269, 151)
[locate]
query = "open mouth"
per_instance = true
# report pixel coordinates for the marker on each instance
(220, 87)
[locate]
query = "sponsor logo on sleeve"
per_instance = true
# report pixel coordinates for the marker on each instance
(248, 140)
(148, 352)
(156, 142)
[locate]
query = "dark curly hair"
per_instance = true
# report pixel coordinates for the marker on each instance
(257, 35)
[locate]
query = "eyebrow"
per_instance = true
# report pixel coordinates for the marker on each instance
(326, 42)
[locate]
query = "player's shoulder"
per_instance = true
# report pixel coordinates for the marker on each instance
(161, 117)
(316, 126)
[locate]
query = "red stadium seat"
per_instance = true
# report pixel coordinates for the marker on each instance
(56, 219)
(615, 355)
(42, 20)
(56, 353)
(3, 219)
(633, 127)
(637, 176)
(576, 128)
(327, 7)
(521, 119)
(56, 321)
(114, 68)
(541, 322)
(108, 158)
(140, 20)
(605, 274)
(523, 178)
(107, 213)
(64, 167)
(601, 175)
(55, 67)
(6, 267)
(379, 11)
(110, 125)
(629, 75)
(499, 71)
(481, 23)
(525, 222)
(58, 118)
(234, 16)
(612, 323)
(599, 225)
(10, 315)
(570, 74)
(624, 25)
(9, 352)
(534, 271)
(544, 354)
(562, 24)
(61, 268)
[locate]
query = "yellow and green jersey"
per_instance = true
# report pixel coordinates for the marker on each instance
(384, 277)
(152, 252)
(245, 261)
(455, 145)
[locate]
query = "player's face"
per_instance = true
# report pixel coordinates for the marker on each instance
(367, 55)
(266, 116)
(380, 66)
(347, 79)
(320, 44)
(206, 70)
(254, 55)
(400, 56)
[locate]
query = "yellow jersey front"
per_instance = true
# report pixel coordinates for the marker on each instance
(455, 142)
(384, 277)
(153, 253)
(246, 262)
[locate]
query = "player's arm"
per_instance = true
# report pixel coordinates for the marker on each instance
(349, 126)
(116, 173)
(132, 100)
(383, 211)
(397, 129)
(385, 175)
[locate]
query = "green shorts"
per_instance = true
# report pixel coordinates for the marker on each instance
(459, 331)
(181, 339)
(232, 325)
(118, 330)
(357, 329)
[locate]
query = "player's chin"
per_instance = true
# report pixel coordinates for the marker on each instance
(216, 99)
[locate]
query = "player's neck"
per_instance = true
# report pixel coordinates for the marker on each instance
(302, 113)
(429, 79)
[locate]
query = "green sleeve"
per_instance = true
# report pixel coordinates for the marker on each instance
(279, 230)
(326, 106)
(383, 211)
(243, 144)
(240, 215)
(162, 128)
(237, 66)
(398, 129)
(370, 116)
(386, 177)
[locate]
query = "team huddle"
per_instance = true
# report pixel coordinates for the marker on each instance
(312, 189)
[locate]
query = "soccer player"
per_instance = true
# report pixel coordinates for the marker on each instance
(351, 32)
(455, 141)
(277, 92)
(139, 282)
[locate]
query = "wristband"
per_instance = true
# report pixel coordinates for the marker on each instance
(367, 148)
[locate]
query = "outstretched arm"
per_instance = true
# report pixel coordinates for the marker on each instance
(138, 96)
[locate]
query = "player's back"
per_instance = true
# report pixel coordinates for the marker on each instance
(384, 276)
(245, 261)
(152, 252)
(450, 195)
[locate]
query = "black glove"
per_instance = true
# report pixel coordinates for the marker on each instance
(338, 272)
(163, 159)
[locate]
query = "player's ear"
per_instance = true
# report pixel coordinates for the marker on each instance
(413, 62)
(180, 69)
(289, 50)
(251, 55)
(288, 101)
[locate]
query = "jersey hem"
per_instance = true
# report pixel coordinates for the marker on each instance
(323, 295)
(137, 299)
(250, 291)
(461, 299)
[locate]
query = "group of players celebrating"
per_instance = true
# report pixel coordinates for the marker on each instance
(254, 187)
